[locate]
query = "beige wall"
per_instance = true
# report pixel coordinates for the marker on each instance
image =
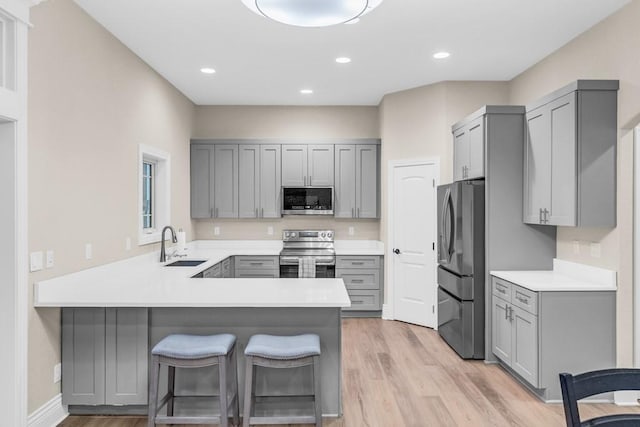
(607, 51)
(91, 102)
(416, 124)
(289, 123)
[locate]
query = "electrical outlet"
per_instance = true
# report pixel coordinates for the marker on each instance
(351, 231)
(127, 244)
(270, 230)
(57, 373)
(88, 251)
(50, 258)
(216, 231)
(596, 250)
(35, 261)
(576, 247)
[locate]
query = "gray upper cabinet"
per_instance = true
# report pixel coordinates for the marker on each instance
(104, 356)
(468, 150)
(225, 181)
(307, 165)
(202, 181)
(294, 165)
(259, 181)
(356, 181)
(570, 156)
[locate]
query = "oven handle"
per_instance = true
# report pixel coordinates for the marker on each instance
(294, 260)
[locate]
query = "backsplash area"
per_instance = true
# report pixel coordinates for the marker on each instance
(234, 229)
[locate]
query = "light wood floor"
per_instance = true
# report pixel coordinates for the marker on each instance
(397, 374)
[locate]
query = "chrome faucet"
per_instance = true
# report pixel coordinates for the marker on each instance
(174, 239)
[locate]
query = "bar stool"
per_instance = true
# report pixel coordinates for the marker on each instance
(274, 351)
(194, 351)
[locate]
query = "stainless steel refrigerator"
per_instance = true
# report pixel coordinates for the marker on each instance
(461, 270)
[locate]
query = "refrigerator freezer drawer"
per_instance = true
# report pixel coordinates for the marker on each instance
(459, 286)
(456, 326)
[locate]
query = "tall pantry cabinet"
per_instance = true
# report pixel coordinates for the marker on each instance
(493, 150)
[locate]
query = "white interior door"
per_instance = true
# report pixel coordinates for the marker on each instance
(413, 231)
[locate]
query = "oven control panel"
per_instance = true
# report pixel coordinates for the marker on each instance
(307, 235)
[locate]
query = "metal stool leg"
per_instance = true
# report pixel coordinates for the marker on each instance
(171, 382)
(153, 391)
(224, 405)
(248, 392)
(235, 396)
(317, 400)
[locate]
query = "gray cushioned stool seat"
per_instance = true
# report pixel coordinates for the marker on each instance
(181, 346)
(283, 347)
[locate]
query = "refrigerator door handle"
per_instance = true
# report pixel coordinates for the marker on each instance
(452, 227)
(442, 245)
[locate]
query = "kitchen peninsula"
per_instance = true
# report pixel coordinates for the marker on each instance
(113, 315)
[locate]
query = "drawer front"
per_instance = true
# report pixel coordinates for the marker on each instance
(501, 288)
(359, 279)
(256, 262)
(213, 272)
(257, 274)
(362, 300)
(357, 261)
(525, 299)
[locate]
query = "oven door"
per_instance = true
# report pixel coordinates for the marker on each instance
(290, 267)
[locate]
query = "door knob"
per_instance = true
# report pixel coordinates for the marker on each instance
(396, 251)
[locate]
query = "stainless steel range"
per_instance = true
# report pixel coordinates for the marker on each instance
(307, 253)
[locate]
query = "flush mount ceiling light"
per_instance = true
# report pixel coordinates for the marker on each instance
(343, 60)
(312, 13)
(207, 70)
(306, 91)
(441, 55)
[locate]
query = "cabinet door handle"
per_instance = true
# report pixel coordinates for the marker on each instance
(357, 212)
(255, 263)
(310, 181)
(211, 213)
(540, 220)
(523, 300)
(546, 216)
(261, 212)
(353, 215)
(511, 313)
(256, 212)
(357, 281)
(506, 312)
(357, 263)
(499, 289)
(216, 215)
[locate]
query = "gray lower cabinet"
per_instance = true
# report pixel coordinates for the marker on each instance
(570, 156)
(259, 181)
(250, 266)
(356, 181)
(104, 356)
(537, 335)
(362, 276)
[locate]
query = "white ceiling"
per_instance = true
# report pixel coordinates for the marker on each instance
(262, 62)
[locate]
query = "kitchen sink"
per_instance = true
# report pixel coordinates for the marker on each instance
(186, 263)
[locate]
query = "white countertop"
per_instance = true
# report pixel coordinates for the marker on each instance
(143, 282)
(565, 276)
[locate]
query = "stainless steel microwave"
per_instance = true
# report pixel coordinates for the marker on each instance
(307, 200)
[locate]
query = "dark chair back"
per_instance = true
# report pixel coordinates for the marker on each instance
(588, 384)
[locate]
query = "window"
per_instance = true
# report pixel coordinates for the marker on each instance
(153, 185)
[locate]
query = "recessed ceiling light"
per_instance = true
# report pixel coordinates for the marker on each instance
(207, 70)
(343, 60)
(441, 55)
(306, 91)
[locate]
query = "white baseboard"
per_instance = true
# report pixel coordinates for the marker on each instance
(386, 312)
(625, 398)
(48, 415)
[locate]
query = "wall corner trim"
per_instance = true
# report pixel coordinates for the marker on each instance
(387, 313)
(48, 415)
